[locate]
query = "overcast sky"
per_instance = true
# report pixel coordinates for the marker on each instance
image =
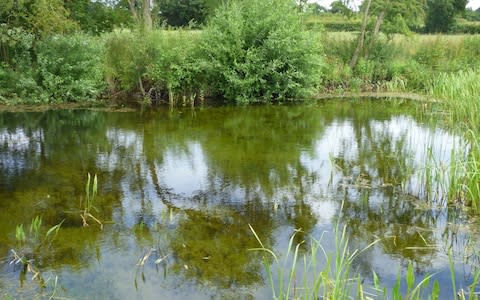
(471, 3)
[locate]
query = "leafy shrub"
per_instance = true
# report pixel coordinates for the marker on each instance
(158, 61)
(17, 77)
(70, 67)
(175, 70)
(126, 58)
(257, 50)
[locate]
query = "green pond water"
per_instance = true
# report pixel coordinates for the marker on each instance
(180, 187)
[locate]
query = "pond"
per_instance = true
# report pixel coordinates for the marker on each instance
(178, 189)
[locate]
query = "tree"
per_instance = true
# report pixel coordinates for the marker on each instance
(441, 14)
(315, 8)
(182, 12)
(258, 50)
(42, 17)
(99, 16)
(393, 13)
(141, 12)
(339, 7)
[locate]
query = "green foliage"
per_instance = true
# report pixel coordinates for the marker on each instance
(465, 28)
(175, 70)
(183, 12)
(440, 16)
(332, 22)
(17, 77)
(97, 16)
(70, 67)
(90, 198)
(339, 7)
(42, 17)
(159, 62)
(257, 51)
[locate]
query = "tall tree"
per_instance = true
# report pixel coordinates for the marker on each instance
(182, 12)
(41, 17)
(441, 14)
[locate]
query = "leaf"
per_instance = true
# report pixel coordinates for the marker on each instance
(376, 281)
(435, 290)
(410, 277)
(54, 229)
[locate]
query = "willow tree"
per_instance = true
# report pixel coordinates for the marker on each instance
(389, 16)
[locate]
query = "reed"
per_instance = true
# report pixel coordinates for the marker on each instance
(88, 204)
(335, 279)
(30, 244)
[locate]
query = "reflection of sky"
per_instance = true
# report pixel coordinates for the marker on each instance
(14, 144)
(186, 174)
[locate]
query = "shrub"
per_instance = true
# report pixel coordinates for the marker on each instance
(257, 50)
(126, 58)
(70, 67)
(174, 70)
(17, 77)
(158, 61)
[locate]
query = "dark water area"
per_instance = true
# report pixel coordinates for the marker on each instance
(177, 190)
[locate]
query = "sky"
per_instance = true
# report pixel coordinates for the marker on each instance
(472, 3)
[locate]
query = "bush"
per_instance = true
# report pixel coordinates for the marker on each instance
(127, 55)
(257, 50)
(175, 70)
(17, 77)
(153, 64)
(70, 67)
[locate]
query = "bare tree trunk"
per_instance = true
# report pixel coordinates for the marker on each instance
(361, 38)
(147, 16)
(378, 23)
(133, 10)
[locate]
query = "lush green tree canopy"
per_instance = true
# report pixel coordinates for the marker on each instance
(441, 14)
(183, 12)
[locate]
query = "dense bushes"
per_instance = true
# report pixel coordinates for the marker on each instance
(257, 51)
(57, 69)
(248, 52)
(156, 64)
(70, 67)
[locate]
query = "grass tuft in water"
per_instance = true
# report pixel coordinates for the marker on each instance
(88, 204)
(334, 280)
(31, 244)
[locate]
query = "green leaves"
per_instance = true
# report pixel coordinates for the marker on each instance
(258, 51)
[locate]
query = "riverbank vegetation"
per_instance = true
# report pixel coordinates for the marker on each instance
(240, 52)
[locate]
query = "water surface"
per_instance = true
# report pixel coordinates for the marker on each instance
(177, 190)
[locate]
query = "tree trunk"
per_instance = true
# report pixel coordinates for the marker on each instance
(376, 31)
(133, 10)
(361, 38)
(147, 16)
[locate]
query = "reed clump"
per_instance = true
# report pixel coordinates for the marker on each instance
(301, 276)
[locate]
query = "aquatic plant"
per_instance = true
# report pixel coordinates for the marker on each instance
(31, 243)
(88, 204)
(334, 280)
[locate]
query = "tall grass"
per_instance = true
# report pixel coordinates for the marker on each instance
(460, 94)
(333, 279)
